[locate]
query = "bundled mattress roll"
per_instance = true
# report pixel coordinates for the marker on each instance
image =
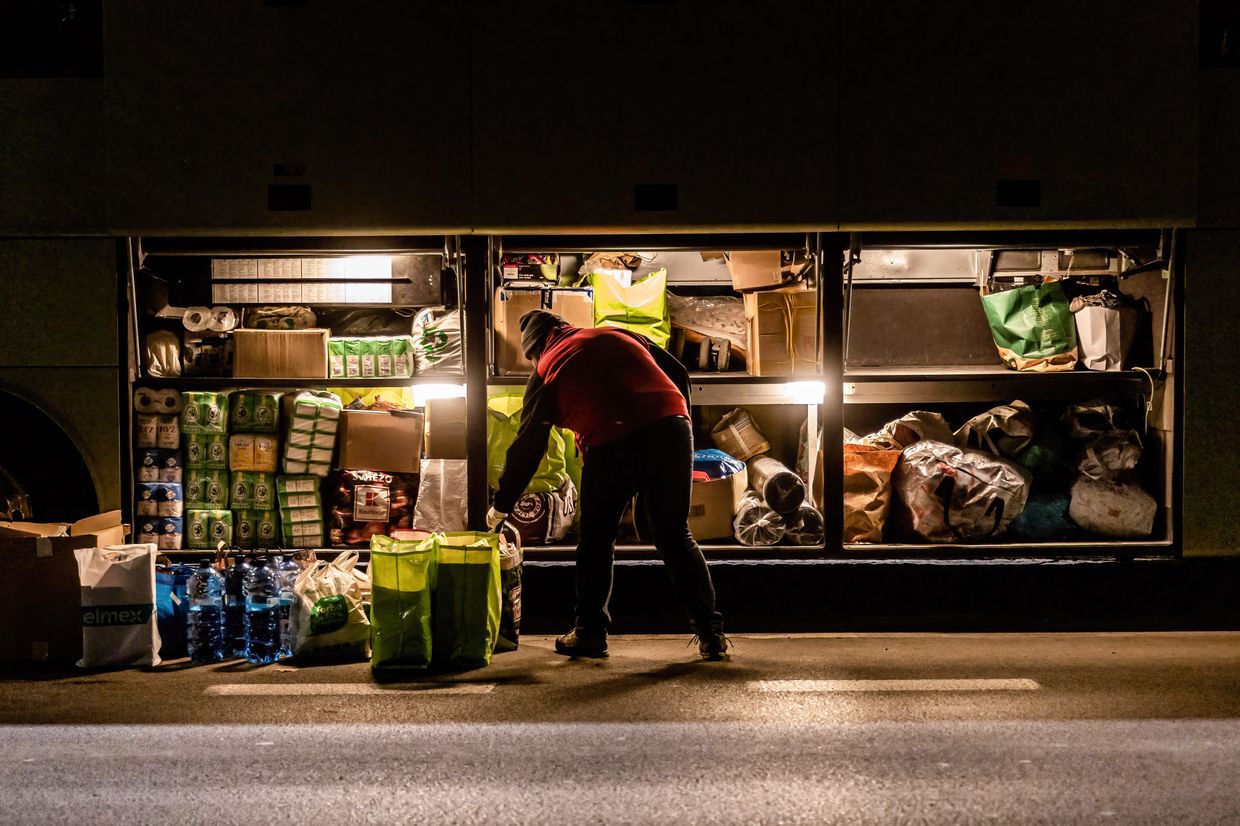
(781, 489)
(755, 523)
(805, 527)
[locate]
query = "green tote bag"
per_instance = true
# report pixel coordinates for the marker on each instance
(1033, 327)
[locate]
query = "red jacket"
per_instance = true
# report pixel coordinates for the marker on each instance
(602, 383)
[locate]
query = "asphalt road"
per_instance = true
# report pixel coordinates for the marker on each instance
(1124, 728)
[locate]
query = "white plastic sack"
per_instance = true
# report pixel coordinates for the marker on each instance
(1105, 335)
(329, 620)
(437, 342)
(712, 316)
(1112, 509)
(441, 505)
(118, 606)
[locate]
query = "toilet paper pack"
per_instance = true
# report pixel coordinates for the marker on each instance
(253, 491)
(207, 528)
(206, 489)
(206, 450)
(204, 412)
(254, 411)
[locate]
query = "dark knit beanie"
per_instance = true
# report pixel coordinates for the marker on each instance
(535, 325)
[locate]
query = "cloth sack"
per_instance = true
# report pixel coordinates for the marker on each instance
(441, 504)
(1033, 327)
(641, 307)
(542, 518)
(402, 582)
(329, 619)
(467, 599)
(867, 491)
(1005, 430)
(119, 625)
(949, 494)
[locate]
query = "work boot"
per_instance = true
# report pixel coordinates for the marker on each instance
(713, 644)
(577, 643)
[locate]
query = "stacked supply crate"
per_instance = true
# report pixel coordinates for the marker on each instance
(310, 441)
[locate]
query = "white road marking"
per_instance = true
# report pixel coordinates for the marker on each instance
(832, 686)
(321, 689)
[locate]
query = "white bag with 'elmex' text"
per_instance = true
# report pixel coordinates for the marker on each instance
(118, 606)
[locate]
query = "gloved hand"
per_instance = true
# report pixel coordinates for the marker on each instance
(495, 519)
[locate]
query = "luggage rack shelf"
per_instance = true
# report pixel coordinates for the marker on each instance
(980, 372)
(921, 384)
(709, 550)
(225, 382)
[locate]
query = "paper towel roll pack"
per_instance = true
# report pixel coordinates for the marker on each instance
(254, 411)
(253, 452)
(165, 532)
(205, 529)
(161, 402)
(256, 529)
(206, 450)
(204, 412)
(206, 489)
(219, 319)
(253, 491)
(158, 465)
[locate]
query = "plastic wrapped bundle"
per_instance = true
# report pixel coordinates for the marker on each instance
(805, 527)
(756, 524)
(912, 428)
(781, 489)
(1005, 430)
(716, 464)
(946, 494)
(1112, 509)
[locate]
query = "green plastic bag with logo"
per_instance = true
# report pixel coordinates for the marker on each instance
(467, 599)
(1033, 327)
(503, 422)
(641, 307)
(402, 586)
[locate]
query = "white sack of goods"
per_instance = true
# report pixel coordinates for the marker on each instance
(118, 606)
(946, 494)
(441, 503)
(1112, 509)
(329, 620)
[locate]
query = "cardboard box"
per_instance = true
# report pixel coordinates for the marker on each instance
(575, 305)
(40, 594)
(763, 269)
(445, 429)
(390, 441)
(280, 354)
(738, 436)
(713, 505)
(783, 333)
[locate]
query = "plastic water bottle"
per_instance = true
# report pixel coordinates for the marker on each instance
(234, 608)
(286, 570)
(262, 614)
(205, 636)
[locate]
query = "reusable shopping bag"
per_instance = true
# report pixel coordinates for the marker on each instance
(511, 565)
(467, 599)
(329, 620)
(503, 422)
(641, 307)
(402, 582)
(118, 606)
(1106, 327)
(437, 343)
(1033, 327)
(949, 494)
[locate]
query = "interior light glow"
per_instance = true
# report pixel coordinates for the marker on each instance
(422, 392)
(806, 392)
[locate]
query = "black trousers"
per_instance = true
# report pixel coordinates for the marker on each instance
(655, 464)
